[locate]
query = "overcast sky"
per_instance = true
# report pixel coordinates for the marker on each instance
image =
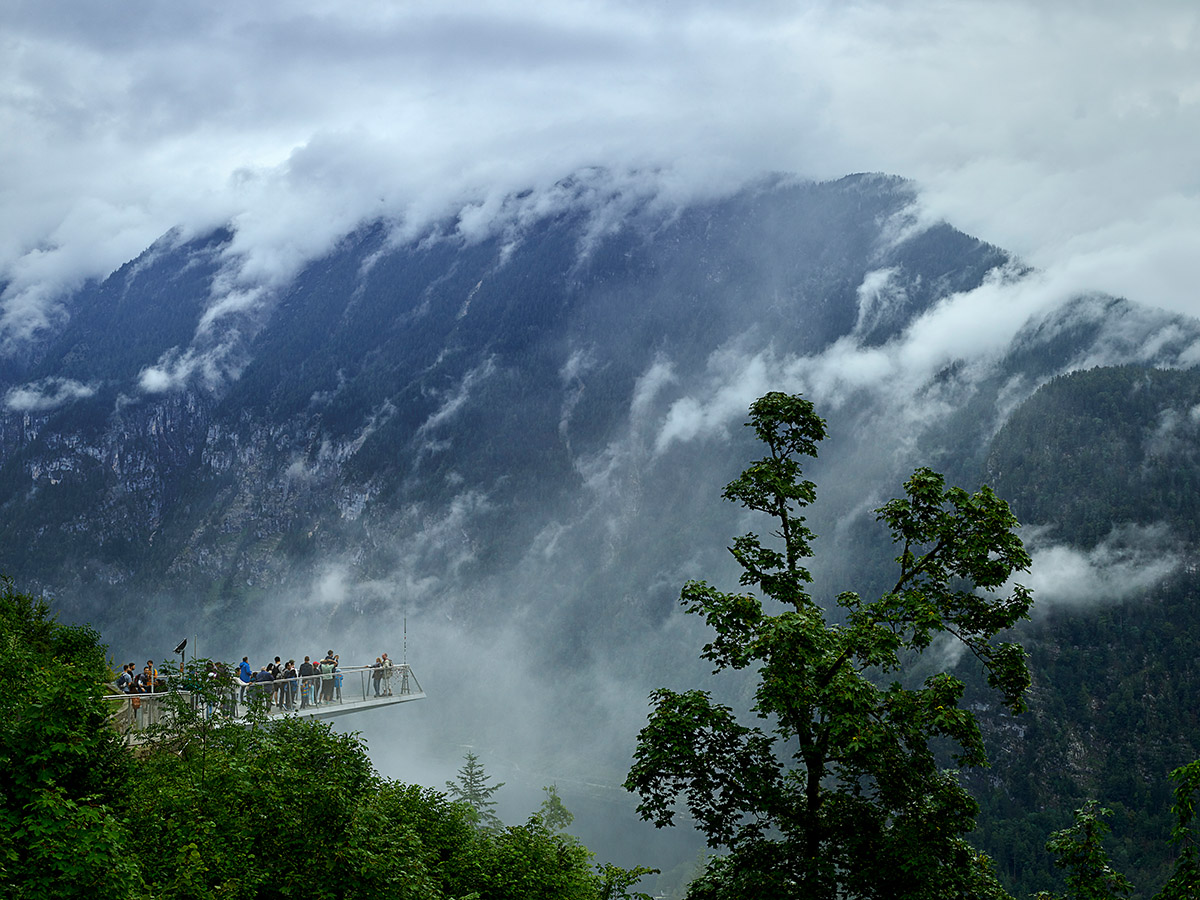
(1067, 132)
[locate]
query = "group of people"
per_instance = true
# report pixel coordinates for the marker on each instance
(282, 684)
(312, 683)
(131, 681)
(136, 683)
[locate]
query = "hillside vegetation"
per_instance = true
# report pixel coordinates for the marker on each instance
(1108, 459)
(285, 808)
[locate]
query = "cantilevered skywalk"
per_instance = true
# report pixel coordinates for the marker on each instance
(350, 690)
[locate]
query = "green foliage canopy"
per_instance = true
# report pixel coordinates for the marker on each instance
(839, 793)
(1080, 850)
(63, 773)
(208, 808)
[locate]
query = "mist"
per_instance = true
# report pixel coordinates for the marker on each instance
(1128, 563)
(1064, 135)
(543, 667)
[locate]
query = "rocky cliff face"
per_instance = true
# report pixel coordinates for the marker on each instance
(153, 446)
(444, 411)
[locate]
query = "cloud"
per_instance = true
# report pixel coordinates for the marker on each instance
(1175, 434)
(231, 304)
(897, 378)
(1061, 132)
(1128, 563)
(735, 378)
(46, 394)
(210, 362)
(457, 398)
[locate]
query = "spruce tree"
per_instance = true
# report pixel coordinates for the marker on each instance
(473, 789)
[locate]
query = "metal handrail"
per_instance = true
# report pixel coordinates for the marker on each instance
(318, 695)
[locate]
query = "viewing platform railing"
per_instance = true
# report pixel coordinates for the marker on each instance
(350, 689)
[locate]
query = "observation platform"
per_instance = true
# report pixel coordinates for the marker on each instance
(350, 690)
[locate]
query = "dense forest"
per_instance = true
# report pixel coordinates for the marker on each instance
(1104, 447)
(202, 809)
(290, 807)
(1109, 456)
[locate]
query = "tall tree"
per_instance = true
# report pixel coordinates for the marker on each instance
(474, 789)
(63, 772)
(838, 793)
(1079, 850)
(1185, 834)
(553, 812)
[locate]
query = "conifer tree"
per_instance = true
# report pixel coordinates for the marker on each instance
(473, 789)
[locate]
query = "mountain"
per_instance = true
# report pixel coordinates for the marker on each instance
(391, 383)
(510, 436)
(1106, 461)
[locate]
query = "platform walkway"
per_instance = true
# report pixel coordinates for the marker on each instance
(314, 696)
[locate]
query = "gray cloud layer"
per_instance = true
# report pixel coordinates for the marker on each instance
(1063, 133)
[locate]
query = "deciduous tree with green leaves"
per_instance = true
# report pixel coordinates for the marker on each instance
(63, 772)
(1185, 834)
(837, 792)
(1079, 850)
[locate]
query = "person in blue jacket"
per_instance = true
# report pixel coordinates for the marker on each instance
(264, 684)
(245, 676)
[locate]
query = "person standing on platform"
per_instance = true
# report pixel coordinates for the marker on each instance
(376, 674)
(125, 679)
(328, 664)
(245, 676)
(308, 696)
(276, 669)
(143, 683)
(263, 685)
(287, 690)
(387, 676)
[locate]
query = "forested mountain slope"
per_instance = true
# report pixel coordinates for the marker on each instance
(516, 435)
(1105, 460)
(163, 442)
(1102, 448)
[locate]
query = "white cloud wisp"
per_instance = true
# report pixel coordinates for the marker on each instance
(1063, 134)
